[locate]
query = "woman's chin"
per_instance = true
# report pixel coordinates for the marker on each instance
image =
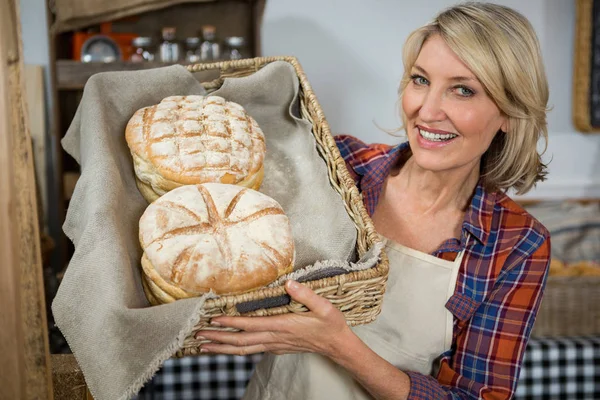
(433, 164)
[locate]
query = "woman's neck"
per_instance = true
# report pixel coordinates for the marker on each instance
(435, 192)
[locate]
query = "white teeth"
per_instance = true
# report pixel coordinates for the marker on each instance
(436, 137)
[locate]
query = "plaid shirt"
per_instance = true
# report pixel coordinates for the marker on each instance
(498, 289)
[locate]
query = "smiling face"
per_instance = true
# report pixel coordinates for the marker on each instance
(450, 120)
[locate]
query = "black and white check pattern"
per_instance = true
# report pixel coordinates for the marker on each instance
(553, 368)
(207, 377)
(561, 368)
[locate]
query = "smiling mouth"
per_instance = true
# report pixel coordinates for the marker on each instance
(436, 137)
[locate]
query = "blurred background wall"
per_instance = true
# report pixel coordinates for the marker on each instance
(351, 51)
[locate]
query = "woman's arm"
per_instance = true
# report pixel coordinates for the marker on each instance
(322, 330)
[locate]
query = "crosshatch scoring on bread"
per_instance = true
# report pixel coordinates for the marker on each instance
(187, 140)
(213, 237)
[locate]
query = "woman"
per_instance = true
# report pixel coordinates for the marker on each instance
(467, 264)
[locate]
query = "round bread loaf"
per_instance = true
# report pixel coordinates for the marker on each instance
(212, 236)
(186, 140)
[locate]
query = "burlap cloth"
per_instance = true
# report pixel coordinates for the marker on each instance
(118, 340)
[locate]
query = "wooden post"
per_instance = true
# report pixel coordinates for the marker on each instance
(24, 348)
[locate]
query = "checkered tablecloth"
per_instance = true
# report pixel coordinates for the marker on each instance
(558, 368)
(561, 368)
(207, 377)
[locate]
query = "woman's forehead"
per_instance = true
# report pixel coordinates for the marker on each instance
(436, 57)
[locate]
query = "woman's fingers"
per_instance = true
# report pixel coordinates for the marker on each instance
(250, 324)
(230, 349)
(302, 294)
(313, 331)
(279, 333)
(239, 339)
(241, 350)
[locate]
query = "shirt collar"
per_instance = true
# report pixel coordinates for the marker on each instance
(478, 217)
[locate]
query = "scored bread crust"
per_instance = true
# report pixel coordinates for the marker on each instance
(219, 237)
(194, 139)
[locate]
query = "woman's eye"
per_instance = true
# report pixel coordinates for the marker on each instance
(464, 91)
(419, 80)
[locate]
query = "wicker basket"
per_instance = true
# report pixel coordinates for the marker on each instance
(570, 307)
(357, 294)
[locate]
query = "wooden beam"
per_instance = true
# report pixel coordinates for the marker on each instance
(36, 110)
(73, 75)
(24, 348)
(12, 354)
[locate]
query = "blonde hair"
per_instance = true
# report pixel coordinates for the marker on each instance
(500, 47)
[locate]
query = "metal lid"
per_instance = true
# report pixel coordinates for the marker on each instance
(208, 32)
(192, 41)
(208, 29)
(142, 41)
(168, 32)
(235, 41)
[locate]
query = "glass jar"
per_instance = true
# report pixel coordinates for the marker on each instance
(210, 50)
(192, 49)
(169, 48)
(234, 48)
(142, 49)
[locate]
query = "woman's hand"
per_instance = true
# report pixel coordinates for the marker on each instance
(322, 329)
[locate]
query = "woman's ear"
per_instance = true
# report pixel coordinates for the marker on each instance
(504, 126)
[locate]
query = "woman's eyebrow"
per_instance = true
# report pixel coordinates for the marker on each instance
(454, 78)
(421, 70)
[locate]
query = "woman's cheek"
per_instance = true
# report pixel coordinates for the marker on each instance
(464, 119)
(410, 102)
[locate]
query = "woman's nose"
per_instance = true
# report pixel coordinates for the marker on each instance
(432, 107)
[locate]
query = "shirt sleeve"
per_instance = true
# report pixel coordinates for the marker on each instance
(359, 156)
(486, 356)
(348, 146)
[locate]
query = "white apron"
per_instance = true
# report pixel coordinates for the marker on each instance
(412, 331)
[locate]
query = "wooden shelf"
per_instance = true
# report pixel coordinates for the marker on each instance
(72, 75)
